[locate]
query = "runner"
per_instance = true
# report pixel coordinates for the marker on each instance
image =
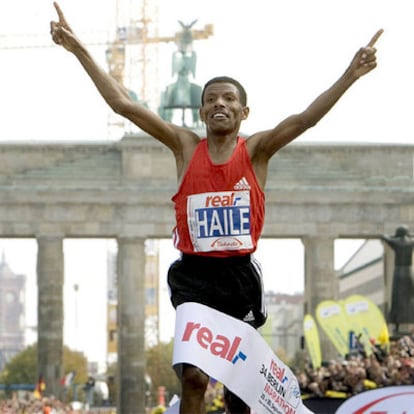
(220, 200)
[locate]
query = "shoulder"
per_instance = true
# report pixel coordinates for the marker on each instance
(185, 149)
(185, 141)
(256, 146)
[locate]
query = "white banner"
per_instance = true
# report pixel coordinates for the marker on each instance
(387, 400)
(234, 353)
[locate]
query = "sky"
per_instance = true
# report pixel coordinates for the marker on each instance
(285, 53)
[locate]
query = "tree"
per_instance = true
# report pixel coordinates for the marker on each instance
(159, 373)
(159, 369)
(22, 369)
(75, 361)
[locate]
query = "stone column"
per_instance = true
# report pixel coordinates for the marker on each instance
(131, 325)
(321, 282)
(50, 311)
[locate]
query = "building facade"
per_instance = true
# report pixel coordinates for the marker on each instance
(12, 320)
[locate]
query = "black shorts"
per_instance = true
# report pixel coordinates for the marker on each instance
(232, 285)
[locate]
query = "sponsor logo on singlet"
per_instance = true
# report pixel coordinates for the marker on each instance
(219, 220)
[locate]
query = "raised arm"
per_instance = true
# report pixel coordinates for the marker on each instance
(266, 143)
(114, 93)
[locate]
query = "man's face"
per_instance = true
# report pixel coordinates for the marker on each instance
(222, 110)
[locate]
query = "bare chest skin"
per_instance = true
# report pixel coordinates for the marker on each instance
(221, 154)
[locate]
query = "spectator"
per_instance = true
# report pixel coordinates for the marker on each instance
(359, 373)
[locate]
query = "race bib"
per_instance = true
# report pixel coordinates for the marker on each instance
(219, 221)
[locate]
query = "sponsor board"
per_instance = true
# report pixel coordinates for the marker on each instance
(387, 400)
(367, 320)
(332, 319)
(312, 340)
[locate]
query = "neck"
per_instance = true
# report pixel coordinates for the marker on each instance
(220, 149)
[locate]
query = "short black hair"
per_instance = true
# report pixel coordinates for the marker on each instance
(227, 79)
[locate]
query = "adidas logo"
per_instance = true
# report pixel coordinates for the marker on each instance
(242, 185)
(249, 317)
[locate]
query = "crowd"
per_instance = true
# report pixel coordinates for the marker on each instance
(45, 405)
(358, 372)
(340, 378)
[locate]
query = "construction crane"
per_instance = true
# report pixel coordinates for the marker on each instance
(132, 56)
(138, 34)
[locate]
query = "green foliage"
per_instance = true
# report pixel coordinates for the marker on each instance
(159, 368)
(75, 361)
(22, 369)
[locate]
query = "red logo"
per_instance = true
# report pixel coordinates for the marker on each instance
(219, 345)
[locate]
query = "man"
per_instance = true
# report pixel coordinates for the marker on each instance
(220, 201)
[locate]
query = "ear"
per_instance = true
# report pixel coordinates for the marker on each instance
(201, 113)
(245, 112)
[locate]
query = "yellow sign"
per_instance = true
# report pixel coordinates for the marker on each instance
(312, 340)
(332, 319)
(366, 320)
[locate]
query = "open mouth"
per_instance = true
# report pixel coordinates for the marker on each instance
(219, 115)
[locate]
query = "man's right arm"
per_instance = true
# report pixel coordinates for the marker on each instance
(116, 96)
(120, 102)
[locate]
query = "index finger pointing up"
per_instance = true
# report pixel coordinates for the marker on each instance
(375, 38)
(59, 12)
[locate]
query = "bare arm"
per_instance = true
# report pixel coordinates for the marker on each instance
(264, 144)
(116, 95)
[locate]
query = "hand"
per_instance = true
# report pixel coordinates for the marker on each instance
(61, 32)
(365, 59)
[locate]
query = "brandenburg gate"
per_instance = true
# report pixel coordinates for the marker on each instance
(122, 190)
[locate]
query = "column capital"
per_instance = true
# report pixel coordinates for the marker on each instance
(319, 237)
(131, 238)
(49, 236)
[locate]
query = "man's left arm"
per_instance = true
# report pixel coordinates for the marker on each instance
(265, 144)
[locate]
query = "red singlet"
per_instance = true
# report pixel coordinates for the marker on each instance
(219, 208)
